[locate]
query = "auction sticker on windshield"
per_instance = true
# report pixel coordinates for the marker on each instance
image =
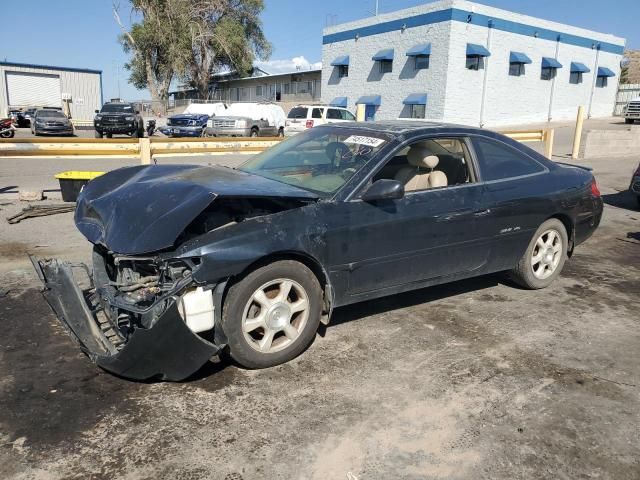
(361, 140)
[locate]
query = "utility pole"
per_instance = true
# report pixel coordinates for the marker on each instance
(377, 5)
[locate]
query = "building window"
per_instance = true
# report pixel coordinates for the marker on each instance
(601, 82)
(343, 71)
(575, 78)
(418, 111)
(259, 91)
(386, 66)
(421, 62)
(475, 62)
(516, 69)
(286, 88)
(548, 73)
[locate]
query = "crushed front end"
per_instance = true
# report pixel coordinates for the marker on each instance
(135, 317)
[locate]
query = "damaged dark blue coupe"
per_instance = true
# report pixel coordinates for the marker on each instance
(193, 261)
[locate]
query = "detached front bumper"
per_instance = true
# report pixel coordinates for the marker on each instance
(168, 350)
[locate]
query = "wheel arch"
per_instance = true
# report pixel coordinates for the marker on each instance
(302, 257)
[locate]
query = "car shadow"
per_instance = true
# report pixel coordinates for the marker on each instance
(624, 199)
(362, 310)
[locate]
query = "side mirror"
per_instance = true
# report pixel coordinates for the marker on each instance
(384, 189)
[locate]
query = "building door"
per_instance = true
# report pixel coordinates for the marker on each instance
(370, 113)
(33, 90)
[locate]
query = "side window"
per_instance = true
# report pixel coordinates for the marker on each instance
(347, 115)
(429, 163)
(333, 114)
(316, 113)
(497, 161)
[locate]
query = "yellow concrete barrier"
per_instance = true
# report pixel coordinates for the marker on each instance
(145, 148)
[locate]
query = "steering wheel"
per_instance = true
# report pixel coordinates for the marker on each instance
(338, 150)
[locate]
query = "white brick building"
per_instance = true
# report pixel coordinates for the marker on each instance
(432, 50)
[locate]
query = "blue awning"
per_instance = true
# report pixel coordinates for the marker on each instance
(474, 50)
(383, 56)
(548, 62)
(519, 57)
(416, 99)
(423, 49)
(370, 100)
(341, 61)
(605, 72)
(577, 67)
(339, 102)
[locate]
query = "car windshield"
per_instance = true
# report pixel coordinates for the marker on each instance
(322, 159)
(117, 107)
(51, 114)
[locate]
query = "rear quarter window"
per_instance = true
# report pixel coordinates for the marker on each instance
(497, 161)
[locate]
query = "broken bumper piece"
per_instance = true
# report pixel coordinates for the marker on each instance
(168, 350)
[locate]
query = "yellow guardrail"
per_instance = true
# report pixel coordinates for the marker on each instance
(145, 148)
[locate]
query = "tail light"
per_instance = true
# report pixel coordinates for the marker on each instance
(595, 191)
(309, 124)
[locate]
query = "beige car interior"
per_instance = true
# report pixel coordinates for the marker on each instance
(429, 163)
(421, 172)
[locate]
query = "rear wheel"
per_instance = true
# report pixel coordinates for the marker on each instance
(281, 132)
(272, 314)
(544, 259)
(254, 132)
(109, 135)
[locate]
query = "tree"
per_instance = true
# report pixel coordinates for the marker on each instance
(225, 34)
(190, 40)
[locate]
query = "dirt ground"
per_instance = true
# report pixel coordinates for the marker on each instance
(472, 380)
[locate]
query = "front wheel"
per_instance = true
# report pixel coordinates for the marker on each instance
(99, 134)
(272, 314)
(8, 134)
(628, 120)
(254, 132)
(544, 258)
(281, 132)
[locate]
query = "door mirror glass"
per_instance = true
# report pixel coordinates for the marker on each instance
(384, 189)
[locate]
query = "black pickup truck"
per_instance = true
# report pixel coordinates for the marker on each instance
(118, 118)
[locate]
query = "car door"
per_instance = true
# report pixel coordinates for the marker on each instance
(516, 203)
(426, 235)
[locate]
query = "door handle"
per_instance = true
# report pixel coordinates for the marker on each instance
(482, 213)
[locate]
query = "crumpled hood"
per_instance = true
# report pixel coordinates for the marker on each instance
(142, 209)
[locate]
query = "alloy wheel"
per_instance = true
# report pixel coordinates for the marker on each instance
(275, 315)
(546, 254)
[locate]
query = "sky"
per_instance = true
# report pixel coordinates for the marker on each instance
(83, 33)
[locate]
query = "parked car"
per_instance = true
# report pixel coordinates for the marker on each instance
(251, 260)
(632, 111)
(48, 121)
(302, 117)
(118, 118)
(193, 121)
(248, 120)
(634, 186)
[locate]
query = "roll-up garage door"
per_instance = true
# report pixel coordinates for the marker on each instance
(33, 90)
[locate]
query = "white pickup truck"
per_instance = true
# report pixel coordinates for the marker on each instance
(632, 111)
(248, 120)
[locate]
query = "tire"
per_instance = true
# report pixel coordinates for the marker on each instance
(526, 273)
(98, 134)
(240, 307)
(629, 120)
(109, 135)
(254, 132)
(281, 132)
(8, 134)
(135, 134)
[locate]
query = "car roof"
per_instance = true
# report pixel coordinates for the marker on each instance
(404, 126)
(311, 105)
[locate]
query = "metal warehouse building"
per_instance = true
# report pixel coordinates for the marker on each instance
(75, 90)
(462, 62)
